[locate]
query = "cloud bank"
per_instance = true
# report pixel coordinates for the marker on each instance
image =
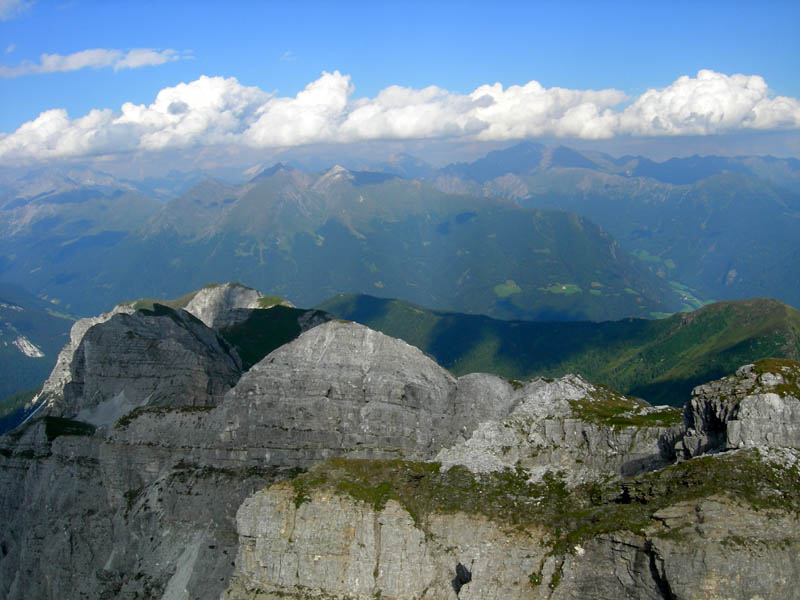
(96, 58)
(220, 111)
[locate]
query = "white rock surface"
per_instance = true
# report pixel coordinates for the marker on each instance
(213, 305)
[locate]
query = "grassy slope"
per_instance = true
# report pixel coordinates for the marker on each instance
(728, 236)
(658, 360)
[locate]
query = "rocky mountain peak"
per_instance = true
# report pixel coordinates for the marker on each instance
(336, 173)
(568, 425)
(351, 347)
(61, 375)
(342, 388)
(130, 359)
(214, 304)
(758, 406)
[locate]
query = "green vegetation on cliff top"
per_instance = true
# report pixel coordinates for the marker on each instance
(660, 360)
(570, 515)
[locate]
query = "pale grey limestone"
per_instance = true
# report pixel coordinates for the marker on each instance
(215, 305)
(166, 358)
(541, 433)
(336, 547)
(53, 387)
(747, 409)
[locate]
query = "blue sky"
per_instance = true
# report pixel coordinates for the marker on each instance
(281, 47)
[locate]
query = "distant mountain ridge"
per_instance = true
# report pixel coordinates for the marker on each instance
(659, 360)
(725, 227)
(307, 237)
(527, 158)
(700, 228)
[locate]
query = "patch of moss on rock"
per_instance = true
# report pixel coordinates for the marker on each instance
(789, 370)
(607, 407)
(270, 301)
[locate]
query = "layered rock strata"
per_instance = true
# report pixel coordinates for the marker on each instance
(335, 546)
(159, 358)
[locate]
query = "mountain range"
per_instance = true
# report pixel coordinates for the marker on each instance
(658, 360)
(529, 232)
(718, 227)
(307, 237)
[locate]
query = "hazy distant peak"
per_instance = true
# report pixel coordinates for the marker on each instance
(335, 174)
(336, 170)
(260, 172)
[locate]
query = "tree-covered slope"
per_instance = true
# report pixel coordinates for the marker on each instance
(660, 360)
(716, 227)
(32, 332)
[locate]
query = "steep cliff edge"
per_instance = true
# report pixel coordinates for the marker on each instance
(758, 406)
(220, 307)
(371, 529)
(347, 464)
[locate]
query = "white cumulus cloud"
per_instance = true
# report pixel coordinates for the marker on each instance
(707, 104)
(532, 110)
(314, 115)
(207, 111)
(95, 58)
(220, 111)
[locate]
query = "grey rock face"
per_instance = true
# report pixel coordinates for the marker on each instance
(539, 428)
(214, 305)
(336, 547)
(161, 358)
(60, 376)
(164, 484)
(341, 389)
(727, 551)
(87, 518)
(753, 408)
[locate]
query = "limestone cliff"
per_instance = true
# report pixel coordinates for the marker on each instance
(53, 387)
(159, 358)
(335, 541)
(347, 464)
(758, 406)
(568, 425)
